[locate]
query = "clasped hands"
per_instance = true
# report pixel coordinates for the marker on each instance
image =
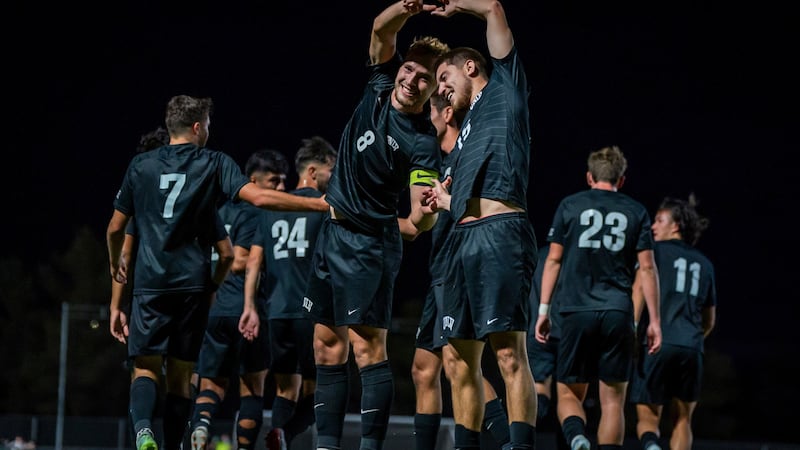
(437, 197)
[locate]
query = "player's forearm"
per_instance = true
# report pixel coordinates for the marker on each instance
(424, 222)
(117, 290)
(390, 21)
(252, 277)
(651, 293)
(281, 201)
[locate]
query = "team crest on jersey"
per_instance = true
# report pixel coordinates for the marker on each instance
(307, 304)
(447, 323)
(392, 142)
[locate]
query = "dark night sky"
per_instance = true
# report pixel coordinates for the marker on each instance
(700, 96)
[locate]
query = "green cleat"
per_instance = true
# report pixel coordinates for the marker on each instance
(145, 440)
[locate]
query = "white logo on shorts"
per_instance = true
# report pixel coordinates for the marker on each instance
(307, 304)
(352, 311)
(447, 323)
(491, 321)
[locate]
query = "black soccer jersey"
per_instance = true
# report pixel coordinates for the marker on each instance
(602, 233)
(494, 140)
(379, 148)
(172, 192)
(444, 223)
(289, 239)
(241, 221)
(687, 282)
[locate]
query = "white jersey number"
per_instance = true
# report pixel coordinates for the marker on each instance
(680, 266)
(365, 141)
(179, 179)
(289, 239)
(590, 238)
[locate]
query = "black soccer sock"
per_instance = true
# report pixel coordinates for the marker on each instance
(177, 411)
(648, 437)
(465, 439)
(543, 406)
(282, 411)
(330, 404)
(251, 417)
(573, 426)
(426, 430)
(523, 436)
(205, 411)
(301, 420)
(561, 440)
(143, 396)
(495, 421)
(377, 393)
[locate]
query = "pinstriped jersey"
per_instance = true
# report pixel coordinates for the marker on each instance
(173, 192)
(494, 140)
(379, 148)
(602, 233)
(288, 239)
(444, 223)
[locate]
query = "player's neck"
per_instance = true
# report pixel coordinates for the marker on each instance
(306, 183)
(448, 141)
(605, 186)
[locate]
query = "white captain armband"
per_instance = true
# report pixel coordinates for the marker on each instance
(423, 176)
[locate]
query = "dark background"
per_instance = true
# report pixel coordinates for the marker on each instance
(701, 97)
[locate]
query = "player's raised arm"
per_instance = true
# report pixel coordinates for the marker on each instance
(383, 43)
(499, 38)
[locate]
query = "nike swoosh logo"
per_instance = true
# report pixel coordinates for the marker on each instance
(365, 411)
(350, 313)
(318, 405)
(491, 321)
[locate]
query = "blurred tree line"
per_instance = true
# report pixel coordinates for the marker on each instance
(736, 404)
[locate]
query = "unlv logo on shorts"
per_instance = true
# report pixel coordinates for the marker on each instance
(447, 323)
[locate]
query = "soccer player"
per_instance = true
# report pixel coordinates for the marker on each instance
(285, 242)
(387, 145)
(175, 405)
(426, 368)
(173, 192)
(688, 311)
(492, 248)
(597, 238)
(224, 351)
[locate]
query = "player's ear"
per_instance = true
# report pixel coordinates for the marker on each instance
(447, 113)
(621, 181)
(589, 179)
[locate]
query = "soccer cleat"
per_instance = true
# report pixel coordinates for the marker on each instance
(199, 438)
(145, 440)
(276, 439)
(580, 442)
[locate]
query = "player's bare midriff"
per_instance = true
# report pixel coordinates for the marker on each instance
(478, 208)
